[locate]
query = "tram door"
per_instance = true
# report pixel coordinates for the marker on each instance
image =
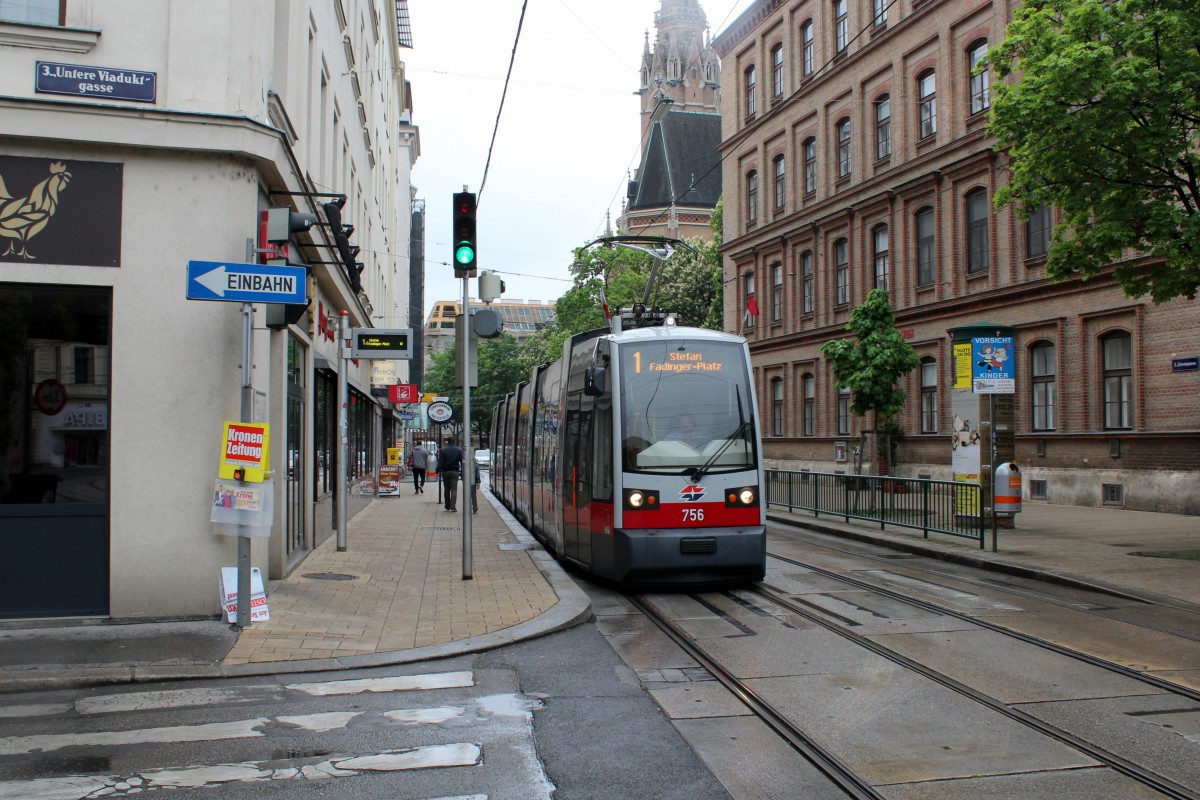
(576, 476)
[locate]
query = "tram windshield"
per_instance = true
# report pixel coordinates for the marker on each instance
(685, 405)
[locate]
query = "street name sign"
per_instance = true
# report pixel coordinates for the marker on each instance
(246, 283)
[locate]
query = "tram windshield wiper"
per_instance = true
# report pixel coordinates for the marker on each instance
(696, 473)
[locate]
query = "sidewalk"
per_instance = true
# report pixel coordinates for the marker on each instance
(396, 595)
(1088, 547)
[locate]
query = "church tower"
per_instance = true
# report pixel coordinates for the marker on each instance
(678, 181)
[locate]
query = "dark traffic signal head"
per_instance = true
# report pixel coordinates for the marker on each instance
(464, 232)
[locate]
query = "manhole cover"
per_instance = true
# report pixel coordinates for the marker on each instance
(330, 576)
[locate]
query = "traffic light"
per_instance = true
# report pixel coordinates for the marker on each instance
(341, 239)
(464, 232)
(282, 222)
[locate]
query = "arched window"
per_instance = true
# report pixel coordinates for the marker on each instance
(879, 252)
(810, 403)
(929, 396)
(841, 26)
(843, 411)
(809, 61)
(777, 406)
(751, 87)
(777, 291)
(780, 182)
(806, 279)
(980, 85)
(710, 72)
(810, 165)
(1117, 357)
(777, 70)
(1043, 379)
(883, 127)
(927, 103)
(1038, 230)
(977, 231)
(751, 197)
(926, 251)
(841, 266)
(843, 139)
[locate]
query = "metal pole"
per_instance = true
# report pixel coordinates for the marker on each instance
(468, 461)
(992, 417)
(343, 425)
(247, 415)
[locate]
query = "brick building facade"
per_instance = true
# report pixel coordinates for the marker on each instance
(855, 156)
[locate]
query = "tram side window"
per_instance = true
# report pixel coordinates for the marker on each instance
(602, 445)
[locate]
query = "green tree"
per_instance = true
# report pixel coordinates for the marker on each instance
(502, 364)
(872, 364)
(1103, 125)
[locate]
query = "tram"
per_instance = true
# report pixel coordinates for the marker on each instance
(637, 456)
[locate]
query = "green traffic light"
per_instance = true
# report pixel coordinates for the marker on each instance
(465, 253)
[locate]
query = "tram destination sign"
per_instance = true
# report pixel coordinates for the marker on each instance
(246, 283)
(381, 343)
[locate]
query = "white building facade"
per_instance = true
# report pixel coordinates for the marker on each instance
(137, 136)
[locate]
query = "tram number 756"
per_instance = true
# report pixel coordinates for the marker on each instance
(693, 515)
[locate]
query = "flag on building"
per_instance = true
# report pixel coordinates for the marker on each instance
(751, 311)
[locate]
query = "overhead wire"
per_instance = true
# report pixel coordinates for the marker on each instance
(503, 94)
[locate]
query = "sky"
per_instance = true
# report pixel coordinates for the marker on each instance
(567, 139)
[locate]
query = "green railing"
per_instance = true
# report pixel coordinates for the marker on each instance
(948, 507)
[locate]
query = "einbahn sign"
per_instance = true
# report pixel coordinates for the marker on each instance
(246, 283)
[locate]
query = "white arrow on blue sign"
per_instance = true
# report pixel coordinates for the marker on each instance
(246, 283)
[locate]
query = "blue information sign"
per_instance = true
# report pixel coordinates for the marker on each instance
(85, 80)
(246, 283)
(992, 365)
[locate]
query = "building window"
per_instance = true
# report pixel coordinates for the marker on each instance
(777, 70)
(809, 60)
(883, 127)
(751, 88)
(806, 275)
(841, 26)
(777, 292)
(85, 365)
(1118, 380)
(810, 165)
(926, 264)
(810, 403)
(751, 197)
(780, 182)
(751, 303)
(1045, 387)
(977, 231)
(929, 396)
(777, 406)
(841, 266)
(927, 103)
(1038, 229)
(34, 12)
(879, 248)
(843, 137)
(881, 9)
(979, 87)
(843, 410)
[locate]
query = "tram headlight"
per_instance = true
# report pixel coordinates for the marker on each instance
(741, 497)
(641, 499)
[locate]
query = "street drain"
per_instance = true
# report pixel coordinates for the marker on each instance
(516, 546)
(330, 576)
(1181, 555)
(429, 528)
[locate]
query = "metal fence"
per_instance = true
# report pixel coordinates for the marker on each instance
(948, 507)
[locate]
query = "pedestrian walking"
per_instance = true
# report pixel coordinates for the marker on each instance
(450, 468)
(418, 462)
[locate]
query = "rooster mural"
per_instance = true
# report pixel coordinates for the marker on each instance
(22, 218)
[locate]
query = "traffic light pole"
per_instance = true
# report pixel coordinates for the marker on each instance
(468, 457)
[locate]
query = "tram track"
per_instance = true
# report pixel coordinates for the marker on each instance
(1055, 647)
(839, 772)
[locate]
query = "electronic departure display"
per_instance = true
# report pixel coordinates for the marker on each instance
(381, 343)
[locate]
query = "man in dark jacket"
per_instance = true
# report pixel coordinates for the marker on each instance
(450, 467)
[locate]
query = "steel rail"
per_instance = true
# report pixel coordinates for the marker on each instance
(1046, 644)
(1159, 783)
(840, 774)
